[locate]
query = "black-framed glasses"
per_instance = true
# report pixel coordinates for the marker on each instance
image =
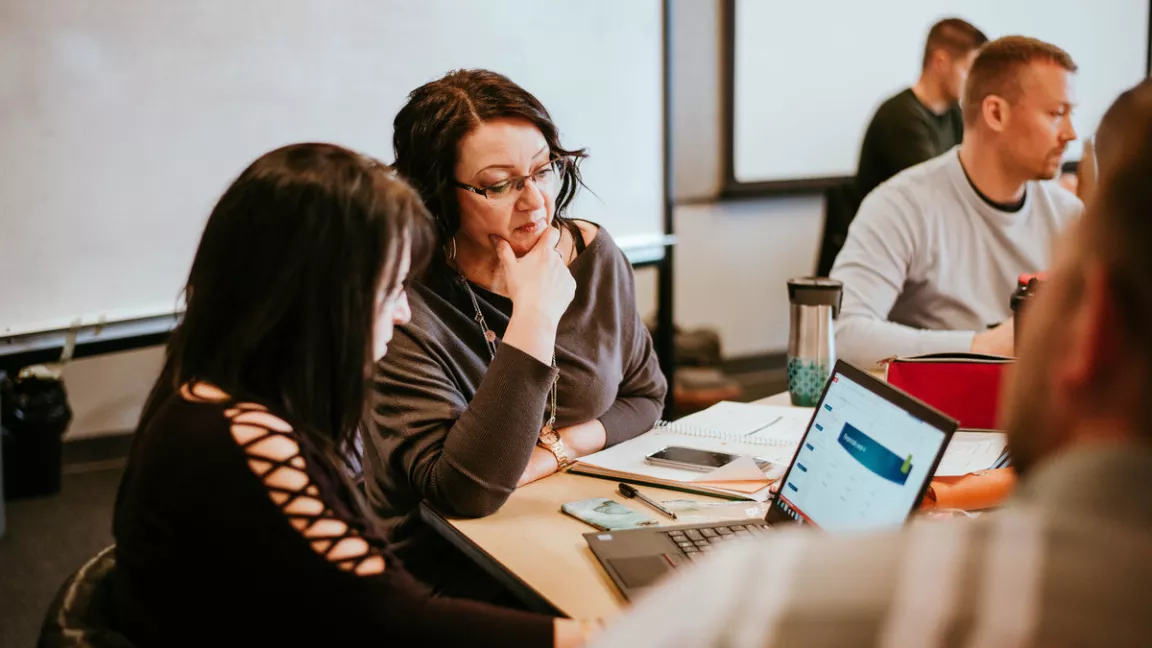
(546, 178)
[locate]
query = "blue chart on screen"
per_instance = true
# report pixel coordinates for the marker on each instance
(862, 464)
(874, 456)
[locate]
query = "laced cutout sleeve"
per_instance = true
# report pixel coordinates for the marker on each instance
(274, 456)
(348, 589)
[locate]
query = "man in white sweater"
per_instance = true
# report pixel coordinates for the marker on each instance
(933, 255)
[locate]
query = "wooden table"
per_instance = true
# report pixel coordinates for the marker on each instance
(540, 553)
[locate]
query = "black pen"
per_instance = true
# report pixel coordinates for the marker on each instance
(629, 491)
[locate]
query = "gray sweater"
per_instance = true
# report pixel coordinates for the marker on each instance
(456, 429)
(928, 262)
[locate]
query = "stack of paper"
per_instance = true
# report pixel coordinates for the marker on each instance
(753, 431)
(970, 452)
(766, 432)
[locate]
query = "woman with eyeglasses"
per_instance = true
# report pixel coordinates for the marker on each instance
(525, 350)
(236, 522)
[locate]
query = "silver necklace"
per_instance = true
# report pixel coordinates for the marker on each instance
(490, 339)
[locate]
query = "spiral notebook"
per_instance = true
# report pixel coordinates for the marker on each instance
(749, 423)
(762, 431)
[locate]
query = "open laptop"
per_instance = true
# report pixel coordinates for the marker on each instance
(864, 463)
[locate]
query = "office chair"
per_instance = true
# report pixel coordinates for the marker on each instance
(840, 205)
(79, 615)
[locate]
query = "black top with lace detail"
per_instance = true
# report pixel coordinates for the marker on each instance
(231, 528)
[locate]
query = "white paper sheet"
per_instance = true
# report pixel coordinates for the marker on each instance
(743, 468)
(970, 452)
(750, 422)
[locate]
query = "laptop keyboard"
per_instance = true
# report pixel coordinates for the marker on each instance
(694, 543)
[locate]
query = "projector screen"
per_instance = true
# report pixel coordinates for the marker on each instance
(125, 121)
(807, 76)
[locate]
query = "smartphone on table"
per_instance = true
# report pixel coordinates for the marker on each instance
(697, 460)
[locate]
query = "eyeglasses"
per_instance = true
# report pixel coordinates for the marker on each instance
(546, 178)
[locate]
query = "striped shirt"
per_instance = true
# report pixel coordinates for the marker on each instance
(1067, 563)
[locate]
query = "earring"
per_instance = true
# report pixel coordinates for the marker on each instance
(450, 249)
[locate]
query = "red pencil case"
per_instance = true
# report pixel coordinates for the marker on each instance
(965, 386)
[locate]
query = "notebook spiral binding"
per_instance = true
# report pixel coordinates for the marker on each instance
(689, 430)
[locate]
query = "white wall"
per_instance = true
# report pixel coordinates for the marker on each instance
(163, 103)
(647, 290)
(733, 258)
(697, 105)
(731, 262)
(781, 47)
(122, 69)
(107, 392)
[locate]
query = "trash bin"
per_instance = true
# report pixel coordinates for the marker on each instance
(34, 414)
(3, 523)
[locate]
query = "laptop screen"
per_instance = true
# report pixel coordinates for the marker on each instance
(863, 463)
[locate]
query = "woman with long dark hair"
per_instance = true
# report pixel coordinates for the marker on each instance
(236, 522)
(525, 350)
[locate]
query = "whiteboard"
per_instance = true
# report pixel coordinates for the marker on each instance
(809, 75)
(122, 122)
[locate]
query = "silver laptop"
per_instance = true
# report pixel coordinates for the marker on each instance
(864, 463)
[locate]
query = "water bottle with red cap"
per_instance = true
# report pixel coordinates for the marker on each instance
(1027, 286)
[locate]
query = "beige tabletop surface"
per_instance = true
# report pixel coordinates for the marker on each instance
(541, 553)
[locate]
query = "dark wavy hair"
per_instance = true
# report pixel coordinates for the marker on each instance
(438, 114)
(281, 297)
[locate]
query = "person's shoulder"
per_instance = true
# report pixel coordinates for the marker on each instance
(188, 411)
(899, 108)
(814, 567)
(920, 185)
(1064, 205)
(425, 297)
(900, 112)
(802, 587)
(593, 234)
(932, 172)
(429, 299)
(857, 553)
(588, 231)
(599, 246)
(192, 427)
(913, 191)
(296, 477)
(869, 560)
(956, 114)
(433, 332)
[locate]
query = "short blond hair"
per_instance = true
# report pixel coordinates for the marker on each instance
(997, 69)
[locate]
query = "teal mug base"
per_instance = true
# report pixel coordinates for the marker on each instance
(806, 379)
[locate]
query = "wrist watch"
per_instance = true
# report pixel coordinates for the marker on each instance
(551, 441)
